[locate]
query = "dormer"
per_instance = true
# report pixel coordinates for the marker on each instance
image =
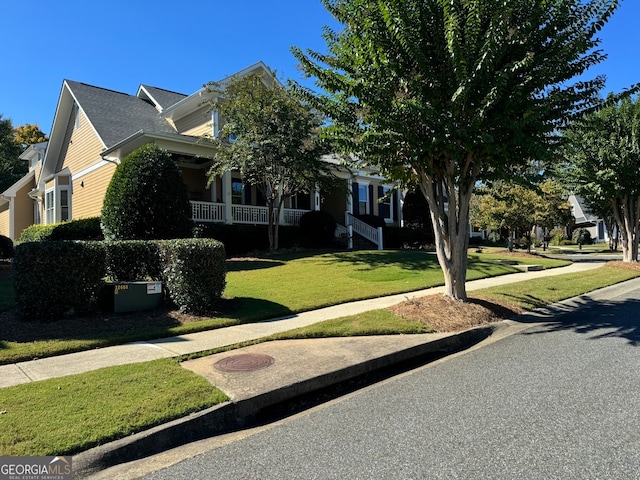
(34, 155)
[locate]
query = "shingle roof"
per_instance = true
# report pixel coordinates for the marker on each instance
(116, 115)
(165, 98)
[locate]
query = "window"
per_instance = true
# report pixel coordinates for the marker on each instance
(386, 206)
(64, 205)
(363, 199)
(57, 201)
(49, 204)
(236, 192)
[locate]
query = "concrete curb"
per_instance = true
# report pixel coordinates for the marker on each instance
(231, 416)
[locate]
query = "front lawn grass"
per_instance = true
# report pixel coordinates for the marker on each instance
(67, 415)
(547, 290)
(526, 295)
(257, 289)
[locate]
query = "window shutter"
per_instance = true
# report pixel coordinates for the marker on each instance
(247, 194)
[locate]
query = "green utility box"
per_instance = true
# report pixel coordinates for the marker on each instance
(120, 297)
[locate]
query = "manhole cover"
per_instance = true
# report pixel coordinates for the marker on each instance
(248, 362)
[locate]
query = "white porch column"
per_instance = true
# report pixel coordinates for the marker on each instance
(400, 206)
(214, 190)
(349, 197)
(226, 197)
(315, 196)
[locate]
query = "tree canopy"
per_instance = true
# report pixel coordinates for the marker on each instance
(271, 138)
(603, 156)
(29, 134)
(519, 209)
(441, 94)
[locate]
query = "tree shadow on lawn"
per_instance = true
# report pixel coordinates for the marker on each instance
(405, 259)
(598, 319)
(114, 328)
(248, 263)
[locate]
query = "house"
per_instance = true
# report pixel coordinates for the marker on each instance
(583, 218)
(95, 128)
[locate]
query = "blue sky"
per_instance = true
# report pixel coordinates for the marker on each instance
(180, 45)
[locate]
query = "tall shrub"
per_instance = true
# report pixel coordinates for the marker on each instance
(194, 272)
(147, 198)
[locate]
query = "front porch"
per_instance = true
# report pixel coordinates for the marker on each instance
(246, 214)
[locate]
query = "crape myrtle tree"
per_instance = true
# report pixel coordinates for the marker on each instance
(519, 208)
(440, 94)
(271, 138)
(604, 164)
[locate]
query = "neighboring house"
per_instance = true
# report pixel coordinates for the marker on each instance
(585, 219)
(18, 209)
(94, 129)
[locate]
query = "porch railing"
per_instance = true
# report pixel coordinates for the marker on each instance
(372, 234)
(250, 214)
(207, 212)
(292, 216)
(215, 212)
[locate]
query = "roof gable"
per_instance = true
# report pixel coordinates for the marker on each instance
(115, 115)
(160, 97)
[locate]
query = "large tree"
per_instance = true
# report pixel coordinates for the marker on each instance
(271, 138)
(14, 141)
(441, 94)
(11, 167)
(604, 164)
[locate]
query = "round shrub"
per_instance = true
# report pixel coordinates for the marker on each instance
(317, 229)
(582, 236)
(146, 199)
(6, 247)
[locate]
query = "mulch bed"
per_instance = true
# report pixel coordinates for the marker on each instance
(444, 314)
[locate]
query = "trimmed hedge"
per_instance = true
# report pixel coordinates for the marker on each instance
(82, 229)
(133, 260)
(57, 279)
(194, 272)
(6, 247)
(37, 233)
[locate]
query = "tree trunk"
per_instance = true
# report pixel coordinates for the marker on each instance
(626, 211)
(273, 245)
(449, 210)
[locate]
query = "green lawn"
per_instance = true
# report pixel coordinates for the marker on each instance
(259, 289)
(67, 415)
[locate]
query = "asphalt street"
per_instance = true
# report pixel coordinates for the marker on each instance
(557, 401)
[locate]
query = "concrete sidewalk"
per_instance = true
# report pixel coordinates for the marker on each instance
(41, 369)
